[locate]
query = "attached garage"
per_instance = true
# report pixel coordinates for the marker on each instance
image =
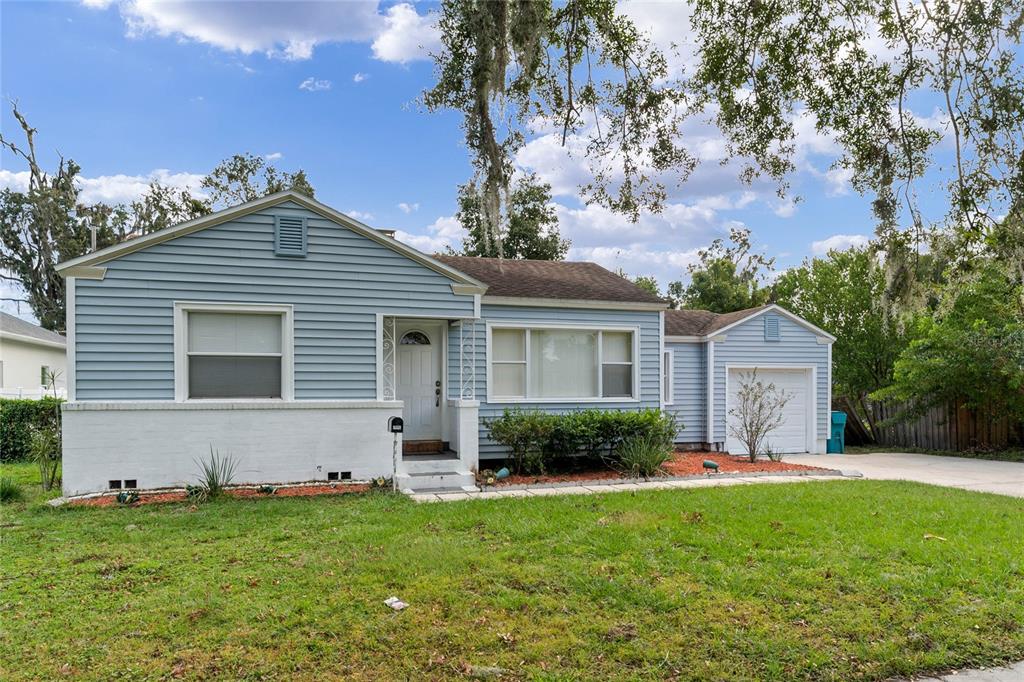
(708, 354)
(796, 433)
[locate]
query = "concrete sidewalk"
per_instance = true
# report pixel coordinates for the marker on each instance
(1004, 478)
(595, 488)
(1013, 673)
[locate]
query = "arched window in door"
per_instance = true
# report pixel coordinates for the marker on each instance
(415, 338)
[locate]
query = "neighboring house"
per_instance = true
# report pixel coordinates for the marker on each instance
(30, 356)
(289, 335)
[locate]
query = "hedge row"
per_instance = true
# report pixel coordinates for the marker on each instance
(535, 438)
(18, 418)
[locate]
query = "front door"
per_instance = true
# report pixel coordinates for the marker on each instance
(418, 379)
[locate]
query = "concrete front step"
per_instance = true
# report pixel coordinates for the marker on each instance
(435, 481)
(430, 464)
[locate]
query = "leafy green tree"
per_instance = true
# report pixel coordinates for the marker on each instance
(759, 71)
(504, 63)
(843, 293)
(48, 224)
(972, 353)
(245, 177)
(649, 283)
(532, 231)
(728, 277)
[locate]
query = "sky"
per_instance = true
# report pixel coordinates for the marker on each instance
(135, 90)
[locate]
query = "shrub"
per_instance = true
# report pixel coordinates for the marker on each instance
(10, 491)
(18, 417)
(535, 438)
(641, 455)
(215, 474)
(528, 434)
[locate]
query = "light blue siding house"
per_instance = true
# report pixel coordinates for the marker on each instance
(290, 336)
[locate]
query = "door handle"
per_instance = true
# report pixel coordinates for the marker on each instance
(437, 397)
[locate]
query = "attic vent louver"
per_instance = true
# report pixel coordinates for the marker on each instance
(290, 236)
(771, 328)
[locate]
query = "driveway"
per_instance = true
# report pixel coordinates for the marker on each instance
(1004, 478)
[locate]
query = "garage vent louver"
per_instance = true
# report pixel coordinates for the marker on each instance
(290, 236)
(771, 328)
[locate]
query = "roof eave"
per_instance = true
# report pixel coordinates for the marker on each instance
(572, 303)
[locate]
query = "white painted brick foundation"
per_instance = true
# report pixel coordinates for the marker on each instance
(159, 443)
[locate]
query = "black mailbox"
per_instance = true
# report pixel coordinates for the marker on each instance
(396, 425)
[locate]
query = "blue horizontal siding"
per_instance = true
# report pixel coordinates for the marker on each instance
(124, 323)
(649, 370)
(689, 390)
(745, 345)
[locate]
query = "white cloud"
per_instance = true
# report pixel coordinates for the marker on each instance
(408, 208)
(837, 181)
(113, 189)
(785, 208)
(273, 156)
(839, 242)
(312, 84)
(283, 30)
(359, 215)
(445, 232)
(408, 36)
(286, 30)
(360, 77)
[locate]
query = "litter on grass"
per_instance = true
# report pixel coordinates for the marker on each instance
(395, 603)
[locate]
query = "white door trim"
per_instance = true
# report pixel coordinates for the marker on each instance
(812, 393)
(438, 329)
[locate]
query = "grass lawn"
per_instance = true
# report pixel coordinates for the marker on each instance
(822, 581)
(1010, 455)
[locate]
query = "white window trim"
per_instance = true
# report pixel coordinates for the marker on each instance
(668, 366)
(287, 313)
(528, 325)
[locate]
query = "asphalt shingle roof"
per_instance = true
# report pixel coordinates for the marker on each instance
(703, 322)
(9, 324)
(549, 279)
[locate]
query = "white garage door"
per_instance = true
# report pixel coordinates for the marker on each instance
(794, 434)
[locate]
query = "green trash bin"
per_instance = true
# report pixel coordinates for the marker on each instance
(837, 441)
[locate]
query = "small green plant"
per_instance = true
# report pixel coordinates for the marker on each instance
(46, 453)
(771, 454)
(381, 483)
(267, 489)
(10, 491)
(195, 493)
(215, 474)
(127, 497)
(641, 455)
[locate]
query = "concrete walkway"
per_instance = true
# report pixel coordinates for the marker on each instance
(1013, 673)
(594, 488)
(1004, 478)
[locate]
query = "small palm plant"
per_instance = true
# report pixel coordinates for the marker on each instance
(215, 474)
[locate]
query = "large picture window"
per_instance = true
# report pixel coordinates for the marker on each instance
(551, 364)
(234, 353)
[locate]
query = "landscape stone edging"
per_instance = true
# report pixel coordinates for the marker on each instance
(698, 477)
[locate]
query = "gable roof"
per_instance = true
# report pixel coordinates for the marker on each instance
(96, 258)
(705, 323)
(17, 328)
(564, 280)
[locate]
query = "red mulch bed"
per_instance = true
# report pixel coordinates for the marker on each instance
(159, 497)
(689, 463)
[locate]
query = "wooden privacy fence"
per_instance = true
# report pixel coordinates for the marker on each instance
(953, 427)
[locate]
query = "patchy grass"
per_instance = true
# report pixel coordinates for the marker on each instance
(1011, 455)
(824, 581)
